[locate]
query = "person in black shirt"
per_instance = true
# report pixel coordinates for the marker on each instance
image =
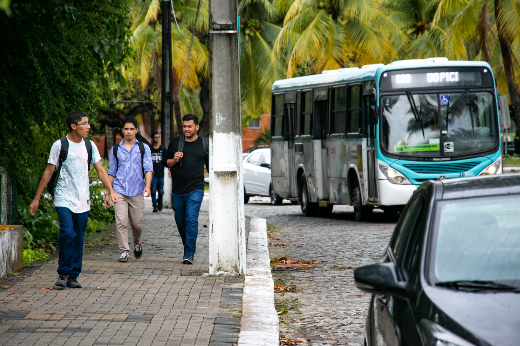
(187, 170)
(158, 172)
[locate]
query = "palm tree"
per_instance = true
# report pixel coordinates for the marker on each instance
(496, 25)
(259, 66)
(327, 34)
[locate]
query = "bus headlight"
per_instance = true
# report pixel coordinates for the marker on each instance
(492, 168)
(393, 176)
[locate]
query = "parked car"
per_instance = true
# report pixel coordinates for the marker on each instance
(257, 176)
(451, 273)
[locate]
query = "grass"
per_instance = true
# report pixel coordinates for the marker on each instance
(512, 160)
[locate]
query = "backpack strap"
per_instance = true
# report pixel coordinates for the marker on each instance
(114, 151)
(141, 149)
(205, 146)
(88, 144)
(64, 150)
(181, 146)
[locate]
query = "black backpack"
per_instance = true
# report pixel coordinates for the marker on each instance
(205, 145)
(141, 149)
(51, 185)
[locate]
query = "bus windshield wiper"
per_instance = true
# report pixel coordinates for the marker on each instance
(414, 110)
(478, 285)
(453, 106)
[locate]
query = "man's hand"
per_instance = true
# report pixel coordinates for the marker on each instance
(146, 192)
(178, 155)
(107, 200)
(34, 206)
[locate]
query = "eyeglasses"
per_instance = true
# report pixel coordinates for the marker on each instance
(86, 124)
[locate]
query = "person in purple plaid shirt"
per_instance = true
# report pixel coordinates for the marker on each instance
(131, 176)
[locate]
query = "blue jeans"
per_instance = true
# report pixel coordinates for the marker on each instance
(187, 207)
(72, 234)
(157, 185)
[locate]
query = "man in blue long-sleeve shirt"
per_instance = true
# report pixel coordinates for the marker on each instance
(130, 171)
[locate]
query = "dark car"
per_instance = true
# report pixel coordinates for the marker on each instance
(451, 273)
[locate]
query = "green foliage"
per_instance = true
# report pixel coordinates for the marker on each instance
(56, 57)
(30, 256)
(264, 137)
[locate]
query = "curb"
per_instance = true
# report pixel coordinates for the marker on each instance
(259, 324)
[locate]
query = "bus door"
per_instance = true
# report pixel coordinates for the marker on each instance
(290, 172)
(369, 134)
(337, 158)
(320, 143)
(278, 128)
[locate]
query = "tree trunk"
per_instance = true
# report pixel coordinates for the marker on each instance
(176, 105)
(204, 103)
(507, 58)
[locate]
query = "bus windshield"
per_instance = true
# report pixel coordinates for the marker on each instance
(438, 124)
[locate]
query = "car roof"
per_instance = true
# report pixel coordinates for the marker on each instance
(502, 184)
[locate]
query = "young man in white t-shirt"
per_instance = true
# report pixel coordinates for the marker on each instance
(72, 196)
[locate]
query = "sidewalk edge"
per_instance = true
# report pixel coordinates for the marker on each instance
(259, 323)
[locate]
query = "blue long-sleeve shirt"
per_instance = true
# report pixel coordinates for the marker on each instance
(129, 180)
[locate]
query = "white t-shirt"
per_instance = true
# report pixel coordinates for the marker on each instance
(72, 190)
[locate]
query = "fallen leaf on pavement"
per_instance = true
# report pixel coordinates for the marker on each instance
(332, 341)
(282, 288)
(288, 342)
(291, 261)
(302, 340)
(359, 295)
(7, 287)
(9, 293)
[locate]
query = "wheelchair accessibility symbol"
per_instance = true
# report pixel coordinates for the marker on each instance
(445, 99)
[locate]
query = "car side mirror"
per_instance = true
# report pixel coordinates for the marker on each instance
(372, 115)
(380, 278)
(266, 165)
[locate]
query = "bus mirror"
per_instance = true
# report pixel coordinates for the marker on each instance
(372, 117)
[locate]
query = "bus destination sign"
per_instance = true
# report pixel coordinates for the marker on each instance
(411, 79)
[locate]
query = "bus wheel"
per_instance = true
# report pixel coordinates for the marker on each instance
(360, 211)
(308, 208)
(275, 199)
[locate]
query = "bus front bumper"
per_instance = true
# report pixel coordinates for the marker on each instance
(393, 194)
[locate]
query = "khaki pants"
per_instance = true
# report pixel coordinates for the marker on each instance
(129, 207)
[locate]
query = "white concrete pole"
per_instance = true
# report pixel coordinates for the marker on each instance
(227, 245)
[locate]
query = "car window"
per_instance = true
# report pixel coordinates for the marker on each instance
(266, 158)
(254, 159)
(405, 228)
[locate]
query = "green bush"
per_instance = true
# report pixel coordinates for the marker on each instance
(30, 256)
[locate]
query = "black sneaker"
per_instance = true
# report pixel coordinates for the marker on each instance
(160, 201)
(138, 251)
(73, 283)
(155, 210)
(62, 282)
(187, 261)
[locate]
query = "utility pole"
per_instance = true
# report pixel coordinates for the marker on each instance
(166, 82)
(227, 245)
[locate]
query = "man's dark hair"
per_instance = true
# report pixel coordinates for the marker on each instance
(155, 133)
(189, 117)
(74, 117)
(130, 120)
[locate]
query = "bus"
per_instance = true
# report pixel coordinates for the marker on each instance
(368, 137)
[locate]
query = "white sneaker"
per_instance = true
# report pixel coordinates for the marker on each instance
(123, 257)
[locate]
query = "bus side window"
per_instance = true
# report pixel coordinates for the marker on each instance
(306, 113)
(298, 119)
(338, 115)
(277, 122)
(354, 109)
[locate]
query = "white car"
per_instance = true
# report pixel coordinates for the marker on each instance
(257, 176)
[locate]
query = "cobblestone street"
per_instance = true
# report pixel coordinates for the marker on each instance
(328, 306)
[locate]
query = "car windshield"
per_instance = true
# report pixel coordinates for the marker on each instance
(477, 239)
(436, 125)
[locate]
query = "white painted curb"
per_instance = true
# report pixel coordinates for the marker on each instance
(259, 323)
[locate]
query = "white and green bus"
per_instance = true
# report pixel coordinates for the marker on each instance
(368, 137)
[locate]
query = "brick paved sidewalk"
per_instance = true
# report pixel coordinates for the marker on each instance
(155, 300)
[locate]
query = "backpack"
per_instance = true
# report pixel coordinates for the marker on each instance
(141, 149)
(51, 185)
(205, 145)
